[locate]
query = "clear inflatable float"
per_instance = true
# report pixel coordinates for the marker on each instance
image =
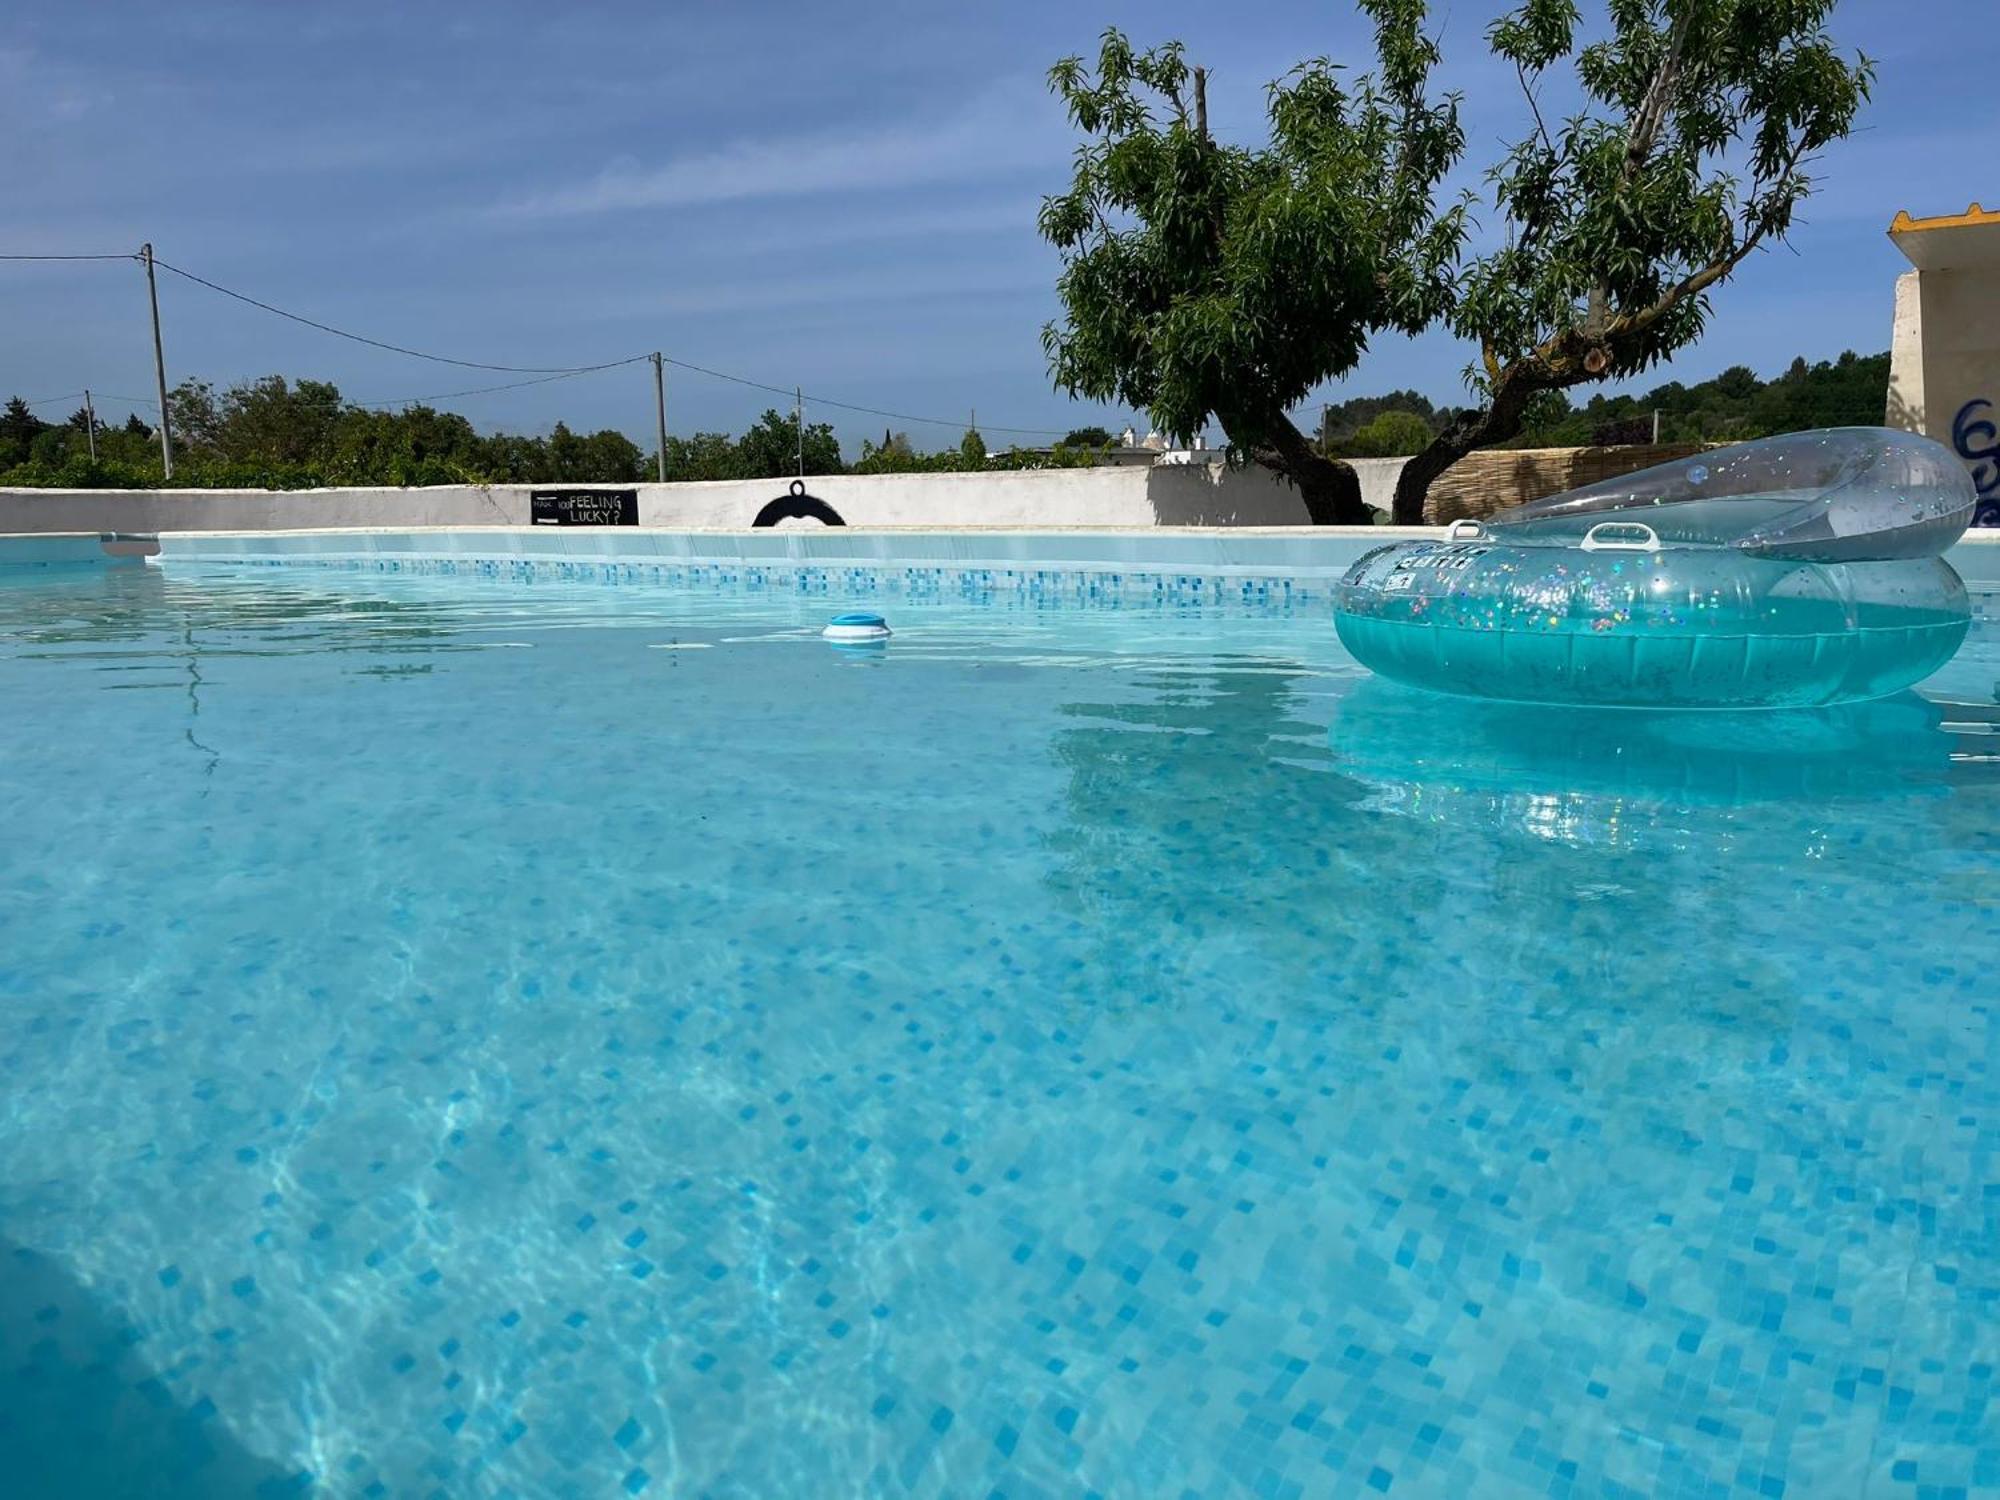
(1799, 570)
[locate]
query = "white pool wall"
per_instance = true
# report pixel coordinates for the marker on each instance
(1161, 495)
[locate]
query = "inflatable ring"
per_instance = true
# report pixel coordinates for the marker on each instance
(1790, 572)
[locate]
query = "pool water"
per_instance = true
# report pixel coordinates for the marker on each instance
(464, 1037)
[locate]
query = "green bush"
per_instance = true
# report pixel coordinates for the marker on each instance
(1393, 434)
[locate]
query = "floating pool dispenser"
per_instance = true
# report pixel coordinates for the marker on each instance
(1799, 570)
(857, 625)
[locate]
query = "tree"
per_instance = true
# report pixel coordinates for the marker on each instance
(1733, 406)
(566, 453)
(1699, 120)
(292, 434)
(1340, 420)
(610, 457)
(270, 420)
(770, 449)
(972, 450)
(1202, 279)
(195, 417)
(706, 455)
(137, 426)
(1738, 383)
(1544, 422)
(19, 422)
(1393, 434)
(18, 426)
(1087, 437)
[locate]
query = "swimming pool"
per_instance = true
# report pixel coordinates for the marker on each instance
(472, 1037)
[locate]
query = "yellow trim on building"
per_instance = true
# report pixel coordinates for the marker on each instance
(1903, 223)
(1951, 242)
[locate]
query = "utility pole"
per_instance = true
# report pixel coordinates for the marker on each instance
(660, 409)
(159, 364)
(1656, 427)
(799, 421)
(90, 423)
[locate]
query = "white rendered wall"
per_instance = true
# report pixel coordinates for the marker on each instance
(1944, 365)
(1166, 495)
(1906, 357)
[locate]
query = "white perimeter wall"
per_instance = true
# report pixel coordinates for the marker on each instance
(1166, 495)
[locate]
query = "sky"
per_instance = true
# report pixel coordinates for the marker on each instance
(838, 197)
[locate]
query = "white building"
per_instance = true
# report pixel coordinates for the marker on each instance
(1944, 362)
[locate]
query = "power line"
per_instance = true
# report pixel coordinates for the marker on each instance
(897, 416)
(78, 396)
(873, 411)
(547, 373)
(481, 390)
(436, 359)
(556, 371)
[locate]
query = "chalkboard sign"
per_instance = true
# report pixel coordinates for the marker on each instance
(583, 507)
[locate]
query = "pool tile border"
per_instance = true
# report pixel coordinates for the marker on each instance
(1172, 564)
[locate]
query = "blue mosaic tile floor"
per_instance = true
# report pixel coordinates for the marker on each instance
(472, 1037)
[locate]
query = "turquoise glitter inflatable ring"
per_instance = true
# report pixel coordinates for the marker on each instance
(1799, 570)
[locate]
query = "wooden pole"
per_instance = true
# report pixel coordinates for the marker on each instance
(660, 410)
(159, 365)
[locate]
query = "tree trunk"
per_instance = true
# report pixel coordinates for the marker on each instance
(1331, 489)
(1499, 420)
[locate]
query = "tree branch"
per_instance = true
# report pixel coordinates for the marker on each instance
(1699, 281)
(1541, 129)
(1646, 125)
(1653, 107)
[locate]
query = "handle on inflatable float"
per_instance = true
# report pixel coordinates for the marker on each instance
(1620, 536)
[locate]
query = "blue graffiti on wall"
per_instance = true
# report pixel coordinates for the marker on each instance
(1977, 440)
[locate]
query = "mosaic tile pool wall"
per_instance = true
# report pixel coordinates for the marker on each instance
(492, 1035)
(1147, 566)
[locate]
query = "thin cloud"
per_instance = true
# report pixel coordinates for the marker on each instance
(1001, 132)
(35, 92)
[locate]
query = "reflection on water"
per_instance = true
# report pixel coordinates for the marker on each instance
(1191, 830)
(1631, 778)
(1420, 860)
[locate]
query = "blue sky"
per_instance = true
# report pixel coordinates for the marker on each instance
(835, 196)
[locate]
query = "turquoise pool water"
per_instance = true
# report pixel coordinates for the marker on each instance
(464, 1037)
